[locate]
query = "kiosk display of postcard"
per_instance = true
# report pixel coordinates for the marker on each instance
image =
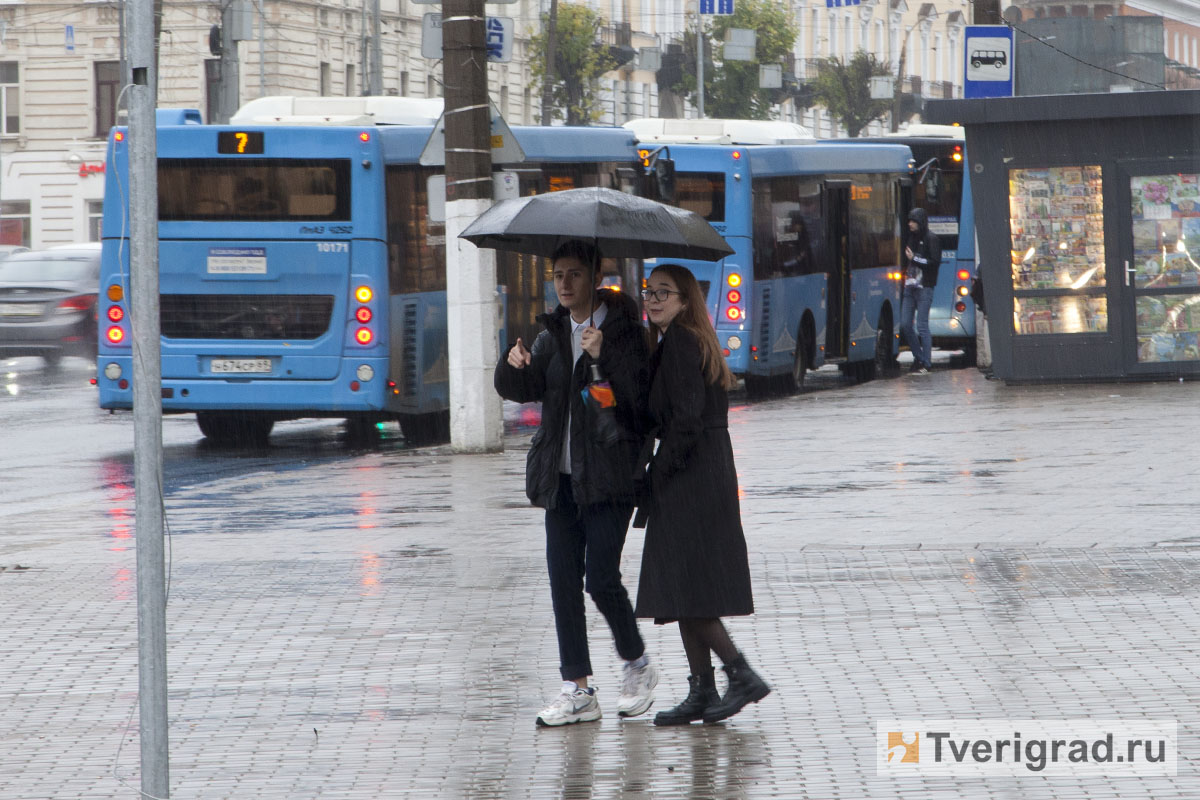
(1056, 224)
(1165, 212)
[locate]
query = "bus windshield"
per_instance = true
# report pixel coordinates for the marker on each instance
(939, 192)
(703, 193)
(253, 190)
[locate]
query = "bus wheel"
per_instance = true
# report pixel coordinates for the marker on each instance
(423, 429)
(235, 428)
(799, 362)
(884, 361)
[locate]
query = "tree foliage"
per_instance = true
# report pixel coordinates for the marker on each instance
(579, 62)
(844, 89)
(731, 89)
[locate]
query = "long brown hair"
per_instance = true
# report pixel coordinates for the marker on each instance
(694, 318)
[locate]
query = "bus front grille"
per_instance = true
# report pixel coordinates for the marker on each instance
(245, 316)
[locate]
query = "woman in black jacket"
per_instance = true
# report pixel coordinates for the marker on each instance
(694, 564)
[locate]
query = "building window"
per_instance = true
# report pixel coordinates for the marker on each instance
(326, 79)
(212, 90)
(108, 86)
(351, 87)
(10, 97)
(14, 222)
(404, 84)
(95, 212)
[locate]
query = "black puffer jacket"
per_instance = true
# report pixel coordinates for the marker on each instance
(599, 473)
(926, 248)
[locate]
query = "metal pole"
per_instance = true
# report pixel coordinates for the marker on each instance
(700, 63)
(375, 62)
(262, 52)
(548, 80)
(230, 68)
(147, 405)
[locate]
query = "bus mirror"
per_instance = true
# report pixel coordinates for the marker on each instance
(933, 184)
(664, 179)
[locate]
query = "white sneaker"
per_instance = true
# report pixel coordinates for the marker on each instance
(637, 690)
(573, 705)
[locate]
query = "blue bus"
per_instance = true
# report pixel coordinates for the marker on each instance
(941, 186)
(816, 227)
(302, 269)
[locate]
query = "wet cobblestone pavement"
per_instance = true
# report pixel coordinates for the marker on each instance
(378, 625)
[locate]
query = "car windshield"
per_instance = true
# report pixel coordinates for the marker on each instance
(28, 270)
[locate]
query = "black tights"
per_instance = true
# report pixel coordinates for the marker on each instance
(701, 638)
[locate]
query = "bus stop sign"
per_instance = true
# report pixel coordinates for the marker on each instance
(988, 61)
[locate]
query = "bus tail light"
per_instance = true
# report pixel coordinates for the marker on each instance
(734, 313)
(115, 293)
(363, 294)
(115, 313)
(963, 291)
(364, 336)
(957, 156)
(363, 315)
(964, 275)
(960, 306)
(116, 334)
(734, 279)
(734, 296)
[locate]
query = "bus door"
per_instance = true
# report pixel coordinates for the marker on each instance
(837, 290)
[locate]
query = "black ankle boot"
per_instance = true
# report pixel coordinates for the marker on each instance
(744, 687)
(701, 696)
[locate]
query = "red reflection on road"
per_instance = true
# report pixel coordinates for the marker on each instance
(118, 486)
(366, 510)
(368, 567)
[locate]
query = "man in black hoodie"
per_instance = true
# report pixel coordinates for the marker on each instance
(581, 476)
(923, 254)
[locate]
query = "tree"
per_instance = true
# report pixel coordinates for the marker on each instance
(844, 89)
(731, 89)
(579, 62)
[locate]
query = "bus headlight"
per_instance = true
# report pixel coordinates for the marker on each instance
(733, 342)
(112, 371)
(365, 372)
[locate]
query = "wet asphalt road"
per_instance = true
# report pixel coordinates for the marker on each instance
(369, 620)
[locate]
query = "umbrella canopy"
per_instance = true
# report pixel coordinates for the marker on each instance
(619, 225)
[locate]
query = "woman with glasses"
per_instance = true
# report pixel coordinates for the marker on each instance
(694, 564)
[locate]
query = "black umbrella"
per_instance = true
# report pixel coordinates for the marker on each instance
(619, 225)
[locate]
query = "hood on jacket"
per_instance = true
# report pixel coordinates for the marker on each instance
(921, 217)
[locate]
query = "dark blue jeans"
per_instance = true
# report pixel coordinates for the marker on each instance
(583, 550)
(917, 300)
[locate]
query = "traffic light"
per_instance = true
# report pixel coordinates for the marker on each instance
(664, 180)
(214, 40)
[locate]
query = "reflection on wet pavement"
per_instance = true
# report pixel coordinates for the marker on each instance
(371, 622)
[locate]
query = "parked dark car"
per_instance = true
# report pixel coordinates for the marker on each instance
(48, 302)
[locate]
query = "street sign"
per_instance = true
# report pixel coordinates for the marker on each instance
(69, 34)
(988, 61)
(721, 7)
(840, 3)
(505, 147)
(500, 31)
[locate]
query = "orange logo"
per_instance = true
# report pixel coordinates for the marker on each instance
(904, 748)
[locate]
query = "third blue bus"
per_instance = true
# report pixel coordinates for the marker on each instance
(816, 230)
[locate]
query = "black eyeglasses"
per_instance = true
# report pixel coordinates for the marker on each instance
(660, 295)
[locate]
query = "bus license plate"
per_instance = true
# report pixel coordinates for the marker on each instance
(241, 365)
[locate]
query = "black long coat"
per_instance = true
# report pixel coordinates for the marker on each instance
(694, 558)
